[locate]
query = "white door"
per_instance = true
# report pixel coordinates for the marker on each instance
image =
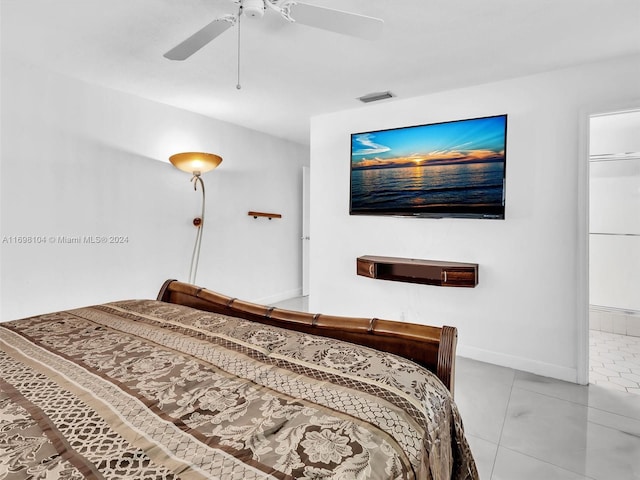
(305, 231)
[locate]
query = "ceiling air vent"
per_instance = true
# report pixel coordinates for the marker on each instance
(374, 97)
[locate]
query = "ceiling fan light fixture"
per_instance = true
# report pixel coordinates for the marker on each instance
(253, 8)
(376, 96)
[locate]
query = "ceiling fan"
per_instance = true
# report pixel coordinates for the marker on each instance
(291, 10)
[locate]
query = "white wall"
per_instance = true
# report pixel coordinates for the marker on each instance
(525, 312)
(615, 133)
(614, 211)
(82, 160)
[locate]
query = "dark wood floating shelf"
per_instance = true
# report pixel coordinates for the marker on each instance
(264, 214)
(429, 272)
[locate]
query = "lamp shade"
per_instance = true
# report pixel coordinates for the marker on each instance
(195, 162)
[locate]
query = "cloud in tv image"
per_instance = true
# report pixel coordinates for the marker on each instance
(451, 169)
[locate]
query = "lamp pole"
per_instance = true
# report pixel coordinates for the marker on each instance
(199, 224)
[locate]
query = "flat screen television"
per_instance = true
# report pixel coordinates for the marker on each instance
(449, 169)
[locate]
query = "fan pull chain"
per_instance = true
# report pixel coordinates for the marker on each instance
(238, 86)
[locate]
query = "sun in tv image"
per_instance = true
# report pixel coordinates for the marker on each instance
(451, 169)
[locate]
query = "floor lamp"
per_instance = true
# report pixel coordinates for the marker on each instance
(196, 163)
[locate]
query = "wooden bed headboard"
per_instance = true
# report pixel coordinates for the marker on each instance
(431, 347)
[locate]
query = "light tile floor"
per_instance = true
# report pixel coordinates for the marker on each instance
(614, 361)
(525, 427)
(300, 304)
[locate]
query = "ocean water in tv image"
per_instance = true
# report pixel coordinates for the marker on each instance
(427, 187)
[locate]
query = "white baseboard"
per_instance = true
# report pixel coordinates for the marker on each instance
(279, 297)
(618, 310)
(519, 363)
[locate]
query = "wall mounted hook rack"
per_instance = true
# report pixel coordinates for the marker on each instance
(264, 214)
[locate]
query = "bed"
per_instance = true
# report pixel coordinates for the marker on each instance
(198, 385)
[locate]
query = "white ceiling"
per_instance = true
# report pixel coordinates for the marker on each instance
(291, 72)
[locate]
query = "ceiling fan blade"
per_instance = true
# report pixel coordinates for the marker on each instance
(353, 24)
(202, 37)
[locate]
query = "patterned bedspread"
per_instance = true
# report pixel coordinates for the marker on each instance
(142, 389)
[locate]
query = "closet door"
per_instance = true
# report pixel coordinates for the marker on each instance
(614, 240)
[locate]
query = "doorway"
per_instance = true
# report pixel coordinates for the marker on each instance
(614, 251)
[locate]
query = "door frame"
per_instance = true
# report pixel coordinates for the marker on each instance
(582, 250)
(305, 237)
